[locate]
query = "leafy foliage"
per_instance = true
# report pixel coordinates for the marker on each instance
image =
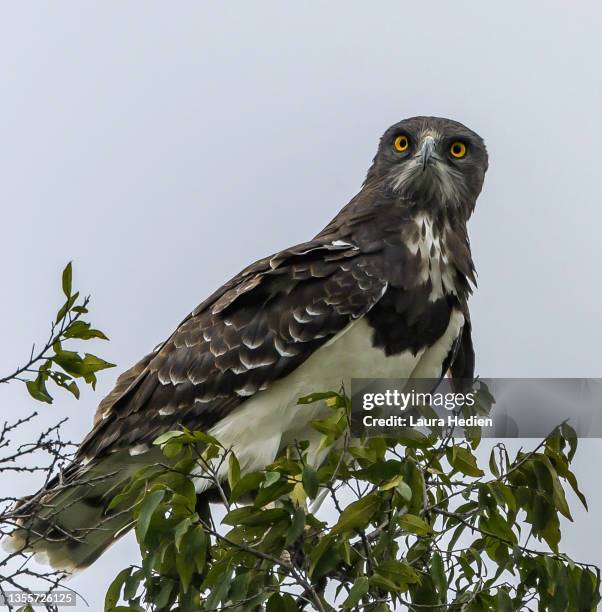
(53, 363)
(420, 525)
(49, 452)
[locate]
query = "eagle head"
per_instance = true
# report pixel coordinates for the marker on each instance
(431, 162)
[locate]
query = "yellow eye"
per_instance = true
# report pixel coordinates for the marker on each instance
(458, 149)
(401, 143)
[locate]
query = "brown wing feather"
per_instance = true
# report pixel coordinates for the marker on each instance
(463, 364)
(256, 329)
(124, 382)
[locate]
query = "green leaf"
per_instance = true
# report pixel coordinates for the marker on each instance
(67, 279)
(185, 569)
(551, 533)
(414, 524)
(233, 470)
(393, 483)
(570, 435)
(149, 505)
(82, 331)
(168, 435)
(316, 397)
(70, 361)
(132, 584)
(201, 436)
(498, 526)
(280, 602)
(504, 603)
(405, 491)
(358, 514)
(270, 479)
(297, 527)
(66, 307)
(240, 587)
(572, 480)
(439, 576)
(288, 603)
(584, 585)
(415, 480)
(275, 603)
(324, 557)
(92, 363)
(37, 390)
(269, 494)
(112, 596)
(493, 466)
(200, 544)
(503, 494)
(378, 471)
(310, 481)
(397, 574)
(74, 365)
(249, 482)
(457, 533)
(180, 530)
(219, 592)
(462, 460)
(73, 389)
(172, 449)
(163, 596)
(250, 516)
(557, 490)
(358, 590)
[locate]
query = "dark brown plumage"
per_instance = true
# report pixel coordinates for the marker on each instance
(397, 258)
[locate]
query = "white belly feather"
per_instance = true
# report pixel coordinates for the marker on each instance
(257, 427)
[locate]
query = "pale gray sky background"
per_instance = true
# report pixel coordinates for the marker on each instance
(163, 146)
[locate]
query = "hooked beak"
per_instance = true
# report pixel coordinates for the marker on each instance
(427, 151)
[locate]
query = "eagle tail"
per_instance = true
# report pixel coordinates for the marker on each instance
(68, 524)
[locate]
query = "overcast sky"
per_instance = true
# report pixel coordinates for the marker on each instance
(164, 146)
